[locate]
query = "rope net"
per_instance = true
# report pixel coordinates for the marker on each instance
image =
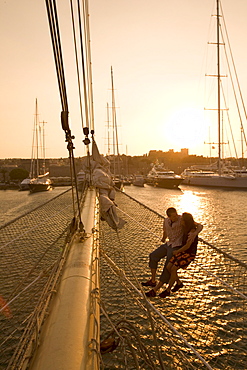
(208, 314)
(33, 250)
(202, 326)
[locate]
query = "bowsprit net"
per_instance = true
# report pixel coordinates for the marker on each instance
(33, 251)
(201, 326)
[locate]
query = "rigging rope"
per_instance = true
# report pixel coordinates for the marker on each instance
(85, 63)
(77, 60)
(55, 36)
(57, 50)
(83, 66)
(235, 71)
(89, 64)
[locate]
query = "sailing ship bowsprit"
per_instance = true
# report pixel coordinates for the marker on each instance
(71, 296)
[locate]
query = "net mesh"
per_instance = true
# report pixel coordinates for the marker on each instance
(32, 251)
(201, 326)
(208, 313)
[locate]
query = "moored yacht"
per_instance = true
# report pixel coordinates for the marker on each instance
(24, 185)
(38, 177)
(138, 180)
(201, 177)
(40, 183)
(163, 178)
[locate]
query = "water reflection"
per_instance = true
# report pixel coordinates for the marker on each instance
(221, 212)
(191, 202)
(206, 312)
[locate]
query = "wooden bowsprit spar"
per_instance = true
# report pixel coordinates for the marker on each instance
(70, 337)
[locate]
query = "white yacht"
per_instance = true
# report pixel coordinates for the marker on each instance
(227, 178)
(163, 178)
(139, 180)
(40, 183)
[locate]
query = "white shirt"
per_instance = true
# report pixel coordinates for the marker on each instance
(174, 231)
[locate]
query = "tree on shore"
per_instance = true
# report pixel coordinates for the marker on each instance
(18, 174)
(3, 171)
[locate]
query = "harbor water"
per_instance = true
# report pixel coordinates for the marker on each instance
(15, 203)
(205, 310)
(221, 212)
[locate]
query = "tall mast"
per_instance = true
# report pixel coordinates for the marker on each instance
(114, 123)
(108, 130)
(43, 146)
(32, 167)
(37, 138)
(218, 78)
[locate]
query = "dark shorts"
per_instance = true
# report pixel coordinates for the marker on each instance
(182, 259)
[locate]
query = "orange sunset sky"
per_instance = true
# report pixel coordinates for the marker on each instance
(158, 53)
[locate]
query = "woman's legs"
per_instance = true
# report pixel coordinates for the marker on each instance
(161, 283)
(174, 277)
(154, 259)
(158, 286)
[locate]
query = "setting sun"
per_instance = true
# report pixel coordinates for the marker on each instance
(186, 128)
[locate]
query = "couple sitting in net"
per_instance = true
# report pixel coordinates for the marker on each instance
(180, 250)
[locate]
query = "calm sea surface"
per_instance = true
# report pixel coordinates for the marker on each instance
(222, 212)
(210, 318)
(14, 203)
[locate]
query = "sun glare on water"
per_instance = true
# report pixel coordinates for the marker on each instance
(192, 202)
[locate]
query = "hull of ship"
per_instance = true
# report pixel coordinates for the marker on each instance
(23, 187)
(118, 184)
(139, 183)
(217, 182)
(165, 183)
(35, 188)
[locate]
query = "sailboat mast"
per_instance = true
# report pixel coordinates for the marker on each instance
(218, 78)
(114, 123)
(43, 146)
(37, 138)
(108, 130)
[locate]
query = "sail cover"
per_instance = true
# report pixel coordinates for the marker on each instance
(102, 179)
